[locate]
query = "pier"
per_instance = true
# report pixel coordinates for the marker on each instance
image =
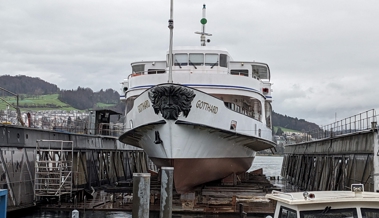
(38, 165)
(336, 156)
(246, 196)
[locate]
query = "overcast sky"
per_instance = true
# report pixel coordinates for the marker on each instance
(323, 55)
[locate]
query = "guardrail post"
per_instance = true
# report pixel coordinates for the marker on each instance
(75, 214)
(166, 192)
(373, 125)
(141, 195)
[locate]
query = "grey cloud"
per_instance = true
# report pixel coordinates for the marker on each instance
(323, 55)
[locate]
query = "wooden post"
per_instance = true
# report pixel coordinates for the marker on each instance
(141, 195)
(166, 192)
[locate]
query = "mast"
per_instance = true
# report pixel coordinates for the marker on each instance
(203, 21)
(171, 27)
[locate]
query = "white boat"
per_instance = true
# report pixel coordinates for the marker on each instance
(355, 204)
(205, 114)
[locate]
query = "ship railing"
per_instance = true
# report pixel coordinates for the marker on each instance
(360, 122)
(103, 129)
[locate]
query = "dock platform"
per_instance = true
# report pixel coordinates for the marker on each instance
(247, 196)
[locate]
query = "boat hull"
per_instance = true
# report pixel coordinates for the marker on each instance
(191, 172)
(195, 137)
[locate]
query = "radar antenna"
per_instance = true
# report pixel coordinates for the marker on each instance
(203, 21)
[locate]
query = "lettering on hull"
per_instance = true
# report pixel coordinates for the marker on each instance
(206, 106)
(143, 106)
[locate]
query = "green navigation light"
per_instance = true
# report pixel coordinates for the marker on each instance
(203, 21)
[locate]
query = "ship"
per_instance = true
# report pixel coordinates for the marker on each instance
(199, 111)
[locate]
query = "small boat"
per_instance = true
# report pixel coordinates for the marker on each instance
(199, 112)
(355, 204)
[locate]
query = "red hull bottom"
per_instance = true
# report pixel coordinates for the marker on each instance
(191, 172)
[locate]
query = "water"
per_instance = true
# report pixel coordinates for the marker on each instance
(271, 166)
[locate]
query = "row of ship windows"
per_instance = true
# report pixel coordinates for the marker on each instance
(232, 72)
(199, 59)
(248, 111)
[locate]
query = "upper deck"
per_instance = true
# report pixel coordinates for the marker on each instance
(204, 68)
(201, 59)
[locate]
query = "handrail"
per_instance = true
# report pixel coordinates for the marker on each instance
(366, 120)
(275, 192)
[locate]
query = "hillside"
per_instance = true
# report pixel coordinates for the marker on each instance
(286, 122)
(27, 85)
(37, 94)
(42, 102)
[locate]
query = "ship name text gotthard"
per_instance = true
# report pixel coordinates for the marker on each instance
(143, 106)
(206, 106)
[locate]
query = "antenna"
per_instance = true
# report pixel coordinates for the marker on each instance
(171, 27)
(203, 21)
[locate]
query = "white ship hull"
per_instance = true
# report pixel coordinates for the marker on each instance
(205, 142)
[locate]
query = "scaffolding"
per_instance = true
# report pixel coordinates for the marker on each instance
(53, 169)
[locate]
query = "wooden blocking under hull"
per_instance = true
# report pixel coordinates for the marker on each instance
(235, 179)
(192, 172)
(230, 180)
(188, 201)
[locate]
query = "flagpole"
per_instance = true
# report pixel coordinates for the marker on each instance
(171, 27)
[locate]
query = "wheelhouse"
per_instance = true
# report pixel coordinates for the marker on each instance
(355, 203)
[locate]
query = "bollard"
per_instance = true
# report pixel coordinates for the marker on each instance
(141, 195)
(75, 214)
(166, 192)
(3, 203)
(85, 201)
(75, 202)
(243, 214)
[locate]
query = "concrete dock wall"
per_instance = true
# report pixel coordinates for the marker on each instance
(334, 163)
(97, 160)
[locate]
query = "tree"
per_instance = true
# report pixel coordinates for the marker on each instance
(279, 131)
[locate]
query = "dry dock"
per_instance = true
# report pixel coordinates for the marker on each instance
(340, 154)
(236, 194)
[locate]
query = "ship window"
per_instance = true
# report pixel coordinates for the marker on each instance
(260, 72)
(333, 213)
(240, 72)
(268, 114)
(223, 60)
(138, 69)
(287, 213)
(228, 105)
(196, 59)
(211, 59)
(238, 108)
(155, 71)
(181, 60)
(369, 212)
(129, 104)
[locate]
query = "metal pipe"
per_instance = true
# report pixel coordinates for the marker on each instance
(166, 192)
(141, 195)
(170, 58)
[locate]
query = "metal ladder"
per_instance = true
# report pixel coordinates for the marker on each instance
(53, 169)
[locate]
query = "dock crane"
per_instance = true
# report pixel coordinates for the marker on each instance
(18, 111)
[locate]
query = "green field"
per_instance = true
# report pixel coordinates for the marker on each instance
(103, 105)
(284, 129)
(42, 102)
